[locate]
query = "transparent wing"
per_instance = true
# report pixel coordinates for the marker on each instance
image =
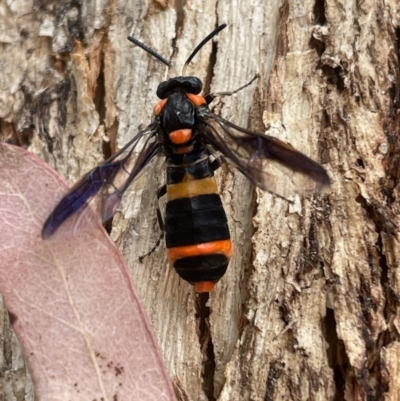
(271, 164)
(104, 186)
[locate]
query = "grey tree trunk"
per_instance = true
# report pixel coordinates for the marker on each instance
(309, 309)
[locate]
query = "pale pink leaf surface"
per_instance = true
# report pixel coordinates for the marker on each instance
(83, 331)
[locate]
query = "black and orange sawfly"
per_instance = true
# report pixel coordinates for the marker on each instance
(194, 142)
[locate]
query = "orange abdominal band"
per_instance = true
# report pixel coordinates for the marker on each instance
(180, 136)
(204, 286)
(189, 188)
(196, 99)
(208, 248)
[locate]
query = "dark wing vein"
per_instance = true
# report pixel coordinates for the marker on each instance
(100, 185)
(271, 164)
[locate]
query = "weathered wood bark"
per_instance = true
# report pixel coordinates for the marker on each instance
(309, 309)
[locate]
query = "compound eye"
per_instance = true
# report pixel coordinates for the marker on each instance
(196, 99)
(159, 107)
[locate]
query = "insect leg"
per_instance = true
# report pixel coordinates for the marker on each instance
(218, 158)
(216, 163)
(160, 192)
(211, 96)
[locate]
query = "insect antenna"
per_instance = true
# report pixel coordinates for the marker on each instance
(148, 50)
(201, 44)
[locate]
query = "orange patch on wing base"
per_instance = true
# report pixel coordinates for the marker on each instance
(208, 248)
(159, 106)
(180, 136)
(188, 188)
(204, 286)
(196, 99)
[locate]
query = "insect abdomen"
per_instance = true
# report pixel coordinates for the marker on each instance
(197, 233)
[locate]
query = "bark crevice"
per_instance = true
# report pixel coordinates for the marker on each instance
(203, 312)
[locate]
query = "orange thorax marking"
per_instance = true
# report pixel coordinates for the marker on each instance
(181, 151)
(196, 99)
(159, 106)
(180, 136)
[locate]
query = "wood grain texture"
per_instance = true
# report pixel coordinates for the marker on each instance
(309, 309)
